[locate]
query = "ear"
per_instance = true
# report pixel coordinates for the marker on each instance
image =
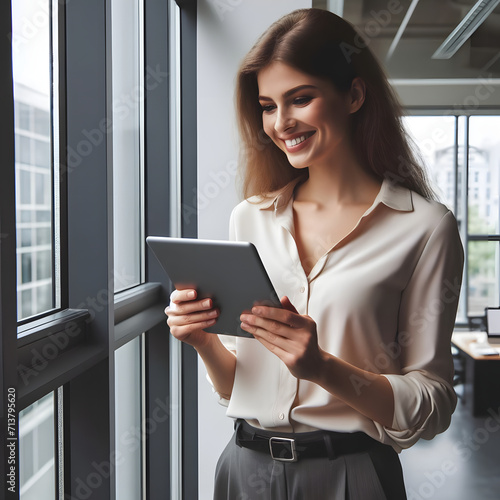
(356, 94)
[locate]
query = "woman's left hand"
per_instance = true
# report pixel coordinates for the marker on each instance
(289, 335)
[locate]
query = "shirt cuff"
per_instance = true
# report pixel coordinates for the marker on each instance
(422, 408)
(220, 399)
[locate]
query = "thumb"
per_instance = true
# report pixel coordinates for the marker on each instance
(285, 302)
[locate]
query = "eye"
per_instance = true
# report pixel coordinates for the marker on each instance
(267, 108)
(302, 101)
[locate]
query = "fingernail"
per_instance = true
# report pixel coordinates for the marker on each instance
(206, 303)
(191, 295)
(256, 310)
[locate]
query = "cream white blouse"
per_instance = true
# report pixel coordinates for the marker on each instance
(384, 299)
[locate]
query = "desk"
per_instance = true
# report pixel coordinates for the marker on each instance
(482, 375)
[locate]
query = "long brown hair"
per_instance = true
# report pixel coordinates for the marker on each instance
(321, 44)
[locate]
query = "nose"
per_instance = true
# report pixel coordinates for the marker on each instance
(284, 120)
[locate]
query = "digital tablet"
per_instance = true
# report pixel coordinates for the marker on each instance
(231, 273)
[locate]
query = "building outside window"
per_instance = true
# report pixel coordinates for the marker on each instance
(89, 356)
(465, 151)
(37, 447)
(32, 73)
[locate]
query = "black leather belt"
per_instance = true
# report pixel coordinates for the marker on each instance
(287, 447)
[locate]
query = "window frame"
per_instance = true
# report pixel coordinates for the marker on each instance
(92, 333)
(466, 322)
(8, 290)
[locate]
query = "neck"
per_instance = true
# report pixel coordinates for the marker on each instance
(342, 181)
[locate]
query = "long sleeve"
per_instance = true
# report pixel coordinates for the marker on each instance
(423, 393)
(384, 299)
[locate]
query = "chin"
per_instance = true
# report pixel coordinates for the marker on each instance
(298, 165)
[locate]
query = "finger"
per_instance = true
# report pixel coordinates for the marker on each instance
(268, 328)
(188, 307)
(277, 314)
(180, 332)
(285, 302)
(261, 334)
(188, 319)
(183, 295)
(271, 343)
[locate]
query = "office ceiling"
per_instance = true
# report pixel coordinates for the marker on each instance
(430, 23)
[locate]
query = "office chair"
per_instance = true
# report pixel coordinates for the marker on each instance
(459, 376)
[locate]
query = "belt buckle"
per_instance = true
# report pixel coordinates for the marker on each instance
(289, 447)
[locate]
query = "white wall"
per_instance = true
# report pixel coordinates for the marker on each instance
(227, 29)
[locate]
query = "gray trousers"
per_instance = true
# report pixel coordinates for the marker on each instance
(244, 474)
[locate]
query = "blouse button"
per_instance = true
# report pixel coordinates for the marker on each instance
(281, 416)
(302, 289)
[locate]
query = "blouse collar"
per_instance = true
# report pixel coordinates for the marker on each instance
(391, 194)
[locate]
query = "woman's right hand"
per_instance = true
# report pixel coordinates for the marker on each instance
(187, 317)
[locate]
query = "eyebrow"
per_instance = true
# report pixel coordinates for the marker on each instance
(290, 92)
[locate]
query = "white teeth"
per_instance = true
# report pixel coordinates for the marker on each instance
(294, 142)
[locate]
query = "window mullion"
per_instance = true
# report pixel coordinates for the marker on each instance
(8, 353)
(465, 205)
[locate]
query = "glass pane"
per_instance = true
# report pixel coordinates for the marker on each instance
(24, 216)
(42, 121)
(484, 174)
(43, 267)
(43, 215)
(127, 97)
(24, 180)
(25, 298)
(23, 148)
(26, 260)
(25, 236)
(32, 59)
(42, 153)
(43, 236)
(128, 404)
(483, 276)
(43, 297)
(37, 450)
(42, 190)
(23, 116)
(435, 138)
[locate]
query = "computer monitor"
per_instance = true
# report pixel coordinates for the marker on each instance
(493, 325)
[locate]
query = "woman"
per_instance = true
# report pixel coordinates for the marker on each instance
(356, 365)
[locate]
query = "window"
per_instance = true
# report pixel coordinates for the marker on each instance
(127, 120)
(483, 210)
(74, 128)
(130, 429)
(37, 449)
(463, 151)
(32, 56)
(435, 138)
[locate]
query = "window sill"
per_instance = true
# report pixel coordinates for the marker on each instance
(54, 349)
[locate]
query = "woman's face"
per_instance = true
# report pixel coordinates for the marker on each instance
(305, 116)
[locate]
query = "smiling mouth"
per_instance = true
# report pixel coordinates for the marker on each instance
(290, 143)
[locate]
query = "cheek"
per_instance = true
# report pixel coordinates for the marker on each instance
(335, 124)
(267, 125)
